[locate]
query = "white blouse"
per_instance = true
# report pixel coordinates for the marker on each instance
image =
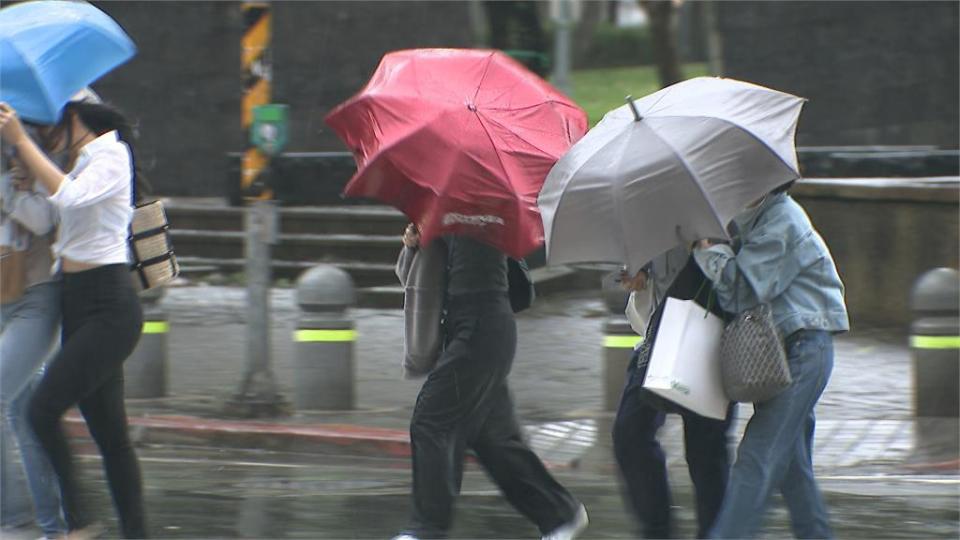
(94, 201)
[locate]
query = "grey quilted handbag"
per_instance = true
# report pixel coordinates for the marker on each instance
(753, 364)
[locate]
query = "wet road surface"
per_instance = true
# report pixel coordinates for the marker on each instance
(204, 493)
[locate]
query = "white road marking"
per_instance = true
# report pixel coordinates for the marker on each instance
(919, 479)
(219, 462)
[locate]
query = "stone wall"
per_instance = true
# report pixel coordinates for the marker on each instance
(875, 72)
(884, 234)
(184, 84)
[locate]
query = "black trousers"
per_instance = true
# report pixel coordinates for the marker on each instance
(639, 455)
(102, 322)
(465, 403)
(643, 465)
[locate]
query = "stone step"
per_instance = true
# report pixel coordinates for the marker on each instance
(363, 274)
(305, 247)
(214, 215)
(382, 297)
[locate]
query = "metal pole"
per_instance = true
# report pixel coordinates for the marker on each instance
(257, 395)
(561, 50)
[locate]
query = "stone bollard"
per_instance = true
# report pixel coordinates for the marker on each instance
(324, 340)
(145, 371)
(935, 343)
(619, 340)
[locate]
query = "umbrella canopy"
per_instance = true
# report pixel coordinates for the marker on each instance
(672, 167)
(49, 50)
(460, 141)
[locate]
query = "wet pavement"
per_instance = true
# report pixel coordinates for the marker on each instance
(884, 474)
(558, 364)
(202, 493)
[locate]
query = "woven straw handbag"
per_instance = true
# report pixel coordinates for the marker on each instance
(753, 364)
(154, 263)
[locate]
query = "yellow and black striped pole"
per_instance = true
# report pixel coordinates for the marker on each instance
(257, 67)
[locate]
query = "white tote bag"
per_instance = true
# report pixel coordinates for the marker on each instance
(685, 361)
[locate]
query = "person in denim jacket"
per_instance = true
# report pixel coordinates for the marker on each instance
(780, 260)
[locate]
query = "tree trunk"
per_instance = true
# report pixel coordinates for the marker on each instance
(515, 25)
(664, 36)
(592, 14)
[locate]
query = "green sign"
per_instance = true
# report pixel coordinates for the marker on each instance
(269, 129)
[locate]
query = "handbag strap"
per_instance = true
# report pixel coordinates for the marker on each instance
(710, 296)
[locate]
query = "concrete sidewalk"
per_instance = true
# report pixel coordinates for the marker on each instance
(864, 417)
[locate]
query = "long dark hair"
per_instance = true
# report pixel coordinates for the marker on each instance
(101, 118)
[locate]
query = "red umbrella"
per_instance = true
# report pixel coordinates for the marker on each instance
(460, 140)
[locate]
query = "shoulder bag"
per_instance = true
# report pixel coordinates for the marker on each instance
(522, 293)
(154, 263)
(753, 364)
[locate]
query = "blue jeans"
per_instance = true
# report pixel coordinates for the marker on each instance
(28, 332)
(777, 447)
(643, 464)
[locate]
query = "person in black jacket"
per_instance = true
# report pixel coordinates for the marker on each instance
(465, 403)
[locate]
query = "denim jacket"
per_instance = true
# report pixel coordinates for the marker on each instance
(782, 261)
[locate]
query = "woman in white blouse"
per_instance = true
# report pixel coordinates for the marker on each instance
(102, 317)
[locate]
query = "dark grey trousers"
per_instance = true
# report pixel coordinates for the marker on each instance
(465, 403)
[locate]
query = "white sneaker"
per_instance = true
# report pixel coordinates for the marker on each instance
(571, 530)
(404, 537)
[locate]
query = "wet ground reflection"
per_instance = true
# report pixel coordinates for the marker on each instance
(212, 494)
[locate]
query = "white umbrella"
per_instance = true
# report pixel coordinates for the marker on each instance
(674, 166)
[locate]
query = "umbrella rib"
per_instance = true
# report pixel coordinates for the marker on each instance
(535, 105)
(687, 168)
(761, 141)
(574, 172)
(659, 99)
(493, 144)
(734, 125)
(483, 77)
(508, 128)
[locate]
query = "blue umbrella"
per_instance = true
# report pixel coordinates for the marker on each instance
(51, 49)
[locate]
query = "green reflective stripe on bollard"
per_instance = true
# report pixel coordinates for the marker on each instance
(935, 342)
(155, 327)
(621, 342)
(325, 335)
